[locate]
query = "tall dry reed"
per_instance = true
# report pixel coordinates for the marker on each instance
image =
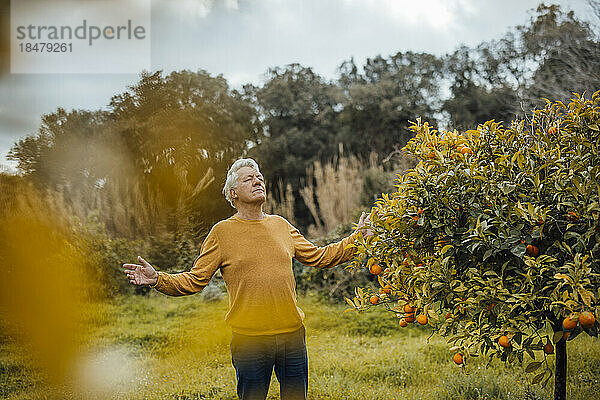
(332, 192)
(285, 205)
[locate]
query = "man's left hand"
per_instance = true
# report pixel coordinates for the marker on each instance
(364, 226)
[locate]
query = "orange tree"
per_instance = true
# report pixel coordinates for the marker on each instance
(493, 238)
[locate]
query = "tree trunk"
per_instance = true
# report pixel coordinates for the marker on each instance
(560, 373)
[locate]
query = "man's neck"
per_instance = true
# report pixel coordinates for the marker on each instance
(250, 213)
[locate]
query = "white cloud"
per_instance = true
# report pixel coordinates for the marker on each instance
(232, 4)
(437, 14)
(193, 8)
(198, 9)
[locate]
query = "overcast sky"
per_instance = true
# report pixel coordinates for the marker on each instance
(241, 39)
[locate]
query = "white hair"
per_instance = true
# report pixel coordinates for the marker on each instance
(232, 176)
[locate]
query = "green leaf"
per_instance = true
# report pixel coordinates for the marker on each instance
(585, 296)
(518, 337)
(507, 187)
(571, 234)
(538, 378)
(446, 248)
(557, 336)
(533, 366)
(487, 254)
(519, 250)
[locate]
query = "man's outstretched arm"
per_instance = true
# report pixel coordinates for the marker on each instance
(141, 275)
(183, 283)
(331, 255)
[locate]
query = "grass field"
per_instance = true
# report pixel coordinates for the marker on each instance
(158, 347)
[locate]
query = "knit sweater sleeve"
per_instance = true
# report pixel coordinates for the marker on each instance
(193, 281)
(322, 257)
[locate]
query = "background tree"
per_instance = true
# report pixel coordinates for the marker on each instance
(146, 164)
(298, 112)
(552, 56)
(380, 101)
(477, 94)
(306, 118)
(566, 51)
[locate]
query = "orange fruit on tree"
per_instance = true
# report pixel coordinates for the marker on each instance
(504, 341)
(548, 348)
(448, 315)
(466, 150)
(552, 130)
(532, 250)
(403, 323)
(587, 319)
(375, 269)
(569, 323)
(409, 317)
(409, 309)
(374, 299)
(420, 210)
(387, 289)
(422, 319)
(458, 358)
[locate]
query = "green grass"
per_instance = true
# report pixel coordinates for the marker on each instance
(178, 348)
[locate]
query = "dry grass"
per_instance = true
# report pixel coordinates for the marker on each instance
(335, 191)
(129, 204)
(332, 192)
(285, 205)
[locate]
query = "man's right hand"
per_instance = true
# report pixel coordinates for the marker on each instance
(143, 274)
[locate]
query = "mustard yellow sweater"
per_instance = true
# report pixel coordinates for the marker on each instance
(255, 258)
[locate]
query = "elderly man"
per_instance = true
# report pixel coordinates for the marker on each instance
(254, 252)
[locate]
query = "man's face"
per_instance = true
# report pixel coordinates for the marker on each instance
(250, 186)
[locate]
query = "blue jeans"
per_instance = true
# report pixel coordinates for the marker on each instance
(254, 358)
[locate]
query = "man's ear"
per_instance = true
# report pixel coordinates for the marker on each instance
(233, 193)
